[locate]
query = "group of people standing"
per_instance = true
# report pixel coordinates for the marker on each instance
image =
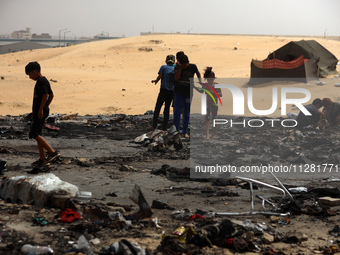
(177, 87)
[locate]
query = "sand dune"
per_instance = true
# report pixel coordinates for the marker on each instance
(114, 76)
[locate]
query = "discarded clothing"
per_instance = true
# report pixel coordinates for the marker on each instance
(69, 216)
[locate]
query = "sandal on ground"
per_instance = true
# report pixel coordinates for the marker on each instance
(53, 156)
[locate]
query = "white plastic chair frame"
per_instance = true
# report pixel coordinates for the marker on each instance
(283, 189)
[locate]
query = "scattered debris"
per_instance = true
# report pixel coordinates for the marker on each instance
(69, 216)
(329, 201)
(158, 140)
(126, 168)
(156, 41)
(144, 209)
(106, 224)
(320, 83)
(159, 204)
(145, 49)
(126, 247)
(69, 116)
(83, 196)
(298, 190)
(3, 167)
(52, 128)
(335, 231)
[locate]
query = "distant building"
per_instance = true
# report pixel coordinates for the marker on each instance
(22, 34)
(21, 46)
(157, 33)
(102, 37)
(42, 36)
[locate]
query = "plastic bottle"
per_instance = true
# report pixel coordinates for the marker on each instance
(27, 248)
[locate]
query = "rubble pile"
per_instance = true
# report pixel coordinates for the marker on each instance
(137, 198)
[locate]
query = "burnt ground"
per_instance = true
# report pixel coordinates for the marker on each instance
(99, 155)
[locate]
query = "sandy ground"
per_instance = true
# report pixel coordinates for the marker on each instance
(114, 76)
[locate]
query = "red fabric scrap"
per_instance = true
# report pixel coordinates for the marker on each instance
(69, 216)
(197, 216)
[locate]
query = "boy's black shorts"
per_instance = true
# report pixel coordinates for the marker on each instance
(36, 127)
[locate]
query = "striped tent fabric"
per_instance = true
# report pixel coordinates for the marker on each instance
(280, 64)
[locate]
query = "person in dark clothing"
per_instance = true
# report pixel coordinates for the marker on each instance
(42, 98)
(332, 111)
(184, 71)
(166, 93)
(178, 54)
(314, 119)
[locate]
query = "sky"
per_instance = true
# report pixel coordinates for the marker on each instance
(88, 18)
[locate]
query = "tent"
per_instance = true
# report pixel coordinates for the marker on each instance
(326, 60)
(302, 60)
